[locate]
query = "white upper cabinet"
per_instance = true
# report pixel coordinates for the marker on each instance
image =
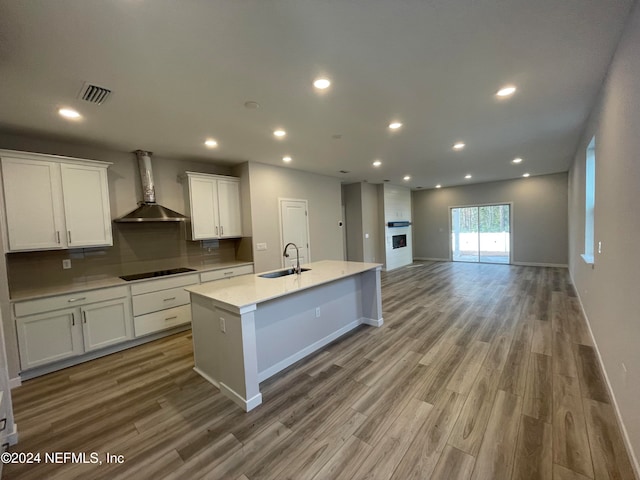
(214, 206)
(55, 202)
(229, 208)
(86, 205)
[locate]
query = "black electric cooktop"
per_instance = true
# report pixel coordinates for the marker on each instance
(159, 273)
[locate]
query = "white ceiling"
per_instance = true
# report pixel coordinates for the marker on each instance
(182, 70)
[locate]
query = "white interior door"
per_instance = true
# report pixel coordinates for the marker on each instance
(294, 227)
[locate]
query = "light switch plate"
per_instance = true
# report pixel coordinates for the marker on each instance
(66, 263)
(261, 246)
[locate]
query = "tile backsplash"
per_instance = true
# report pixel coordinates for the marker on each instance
(137, 248)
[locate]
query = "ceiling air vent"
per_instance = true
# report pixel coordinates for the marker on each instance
(94, 94)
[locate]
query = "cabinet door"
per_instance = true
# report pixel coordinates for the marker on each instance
(33, 203)
(203, 196)
(106, 323)
(229, 208)
(49, 337)
(86, 205)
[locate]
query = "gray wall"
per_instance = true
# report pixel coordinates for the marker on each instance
(352, 198)
(362, 222)
(323, 194)
(539, 217)
(371, 224)
(609, 290)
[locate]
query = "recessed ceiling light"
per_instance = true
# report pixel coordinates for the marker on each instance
(211, 143)
(525, 175)
(516, 160)
(438, 186)
(279, 133)
(406, 178)
(251, 105)
(69, 113)
(321, 83)
(286, 159)
(377, 163)
(506, 91)
(468, 176)
(459, 146)
(395, 125)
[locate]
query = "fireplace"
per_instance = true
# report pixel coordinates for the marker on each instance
(399, 241)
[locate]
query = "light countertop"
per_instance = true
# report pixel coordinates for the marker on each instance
(105, 281)
(247, 290)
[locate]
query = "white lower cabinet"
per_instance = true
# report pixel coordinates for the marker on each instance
(162, 304)
(46, 336)
(49, 337)
(106, 323)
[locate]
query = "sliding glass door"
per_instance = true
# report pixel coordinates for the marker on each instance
(481, 234)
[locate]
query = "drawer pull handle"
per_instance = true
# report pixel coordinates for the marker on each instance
(170, 318)
(3, 422)
(71, 300)
(168, 299)
(228, 273)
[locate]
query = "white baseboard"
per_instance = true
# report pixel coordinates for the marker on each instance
(537, 264)
(206, 377)
(12, 438)
(618, 415)
(372, 321)
(246, 405)
(430, 259)
(15, 382)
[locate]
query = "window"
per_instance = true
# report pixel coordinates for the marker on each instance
(589, 201)
(481, 234)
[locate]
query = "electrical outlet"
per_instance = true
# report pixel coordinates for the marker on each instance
(261, 246)
(66, 263)
(223, 325)
(317, 312)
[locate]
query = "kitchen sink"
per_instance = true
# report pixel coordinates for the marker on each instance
(283, 273)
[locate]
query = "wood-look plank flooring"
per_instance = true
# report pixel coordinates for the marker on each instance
(483, 372)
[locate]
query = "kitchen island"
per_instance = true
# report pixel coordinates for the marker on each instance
(248, 328)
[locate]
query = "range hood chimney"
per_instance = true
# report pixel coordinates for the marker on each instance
(148, 210)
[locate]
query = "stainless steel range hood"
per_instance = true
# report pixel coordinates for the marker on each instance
(148, 210)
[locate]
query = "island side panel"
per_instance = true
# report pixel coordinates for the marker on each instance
(371, 297)
(226, 358)
(287, 328)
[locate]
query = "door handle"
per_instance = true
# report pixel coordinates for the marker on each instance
(84, 316)
(216, 230)
(221, 230)
(58, 236)
(73, 319)
(69, 235)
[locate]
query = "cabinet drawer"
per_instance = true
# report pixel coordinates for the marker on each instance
(154, 322)
(152, 302)
(42, 305)
(164, 284)
(225, 273)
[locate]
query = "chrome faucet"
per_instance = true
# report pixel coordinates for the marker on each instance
(286, 255)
